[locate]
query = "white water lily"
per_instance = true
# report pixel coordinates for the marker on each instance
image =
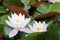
(17, 22)
(53, 1)
(37, 27)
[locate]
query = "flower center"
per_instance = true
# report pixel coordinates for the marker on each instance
(17, 20)
(38, 28)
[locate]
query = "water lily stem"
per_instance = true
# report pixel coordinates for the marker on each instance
(55, 19)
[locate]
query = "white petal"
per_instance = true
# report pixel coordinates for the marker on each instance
(22, 29)
(8, 23)
(12, 15)
(30, 26)
(11, 24)
(43, 24)
(15, 14)
(23, 17)
(9, 18)
(26, 22)
(46, 26)
(13, 33)
(36, 22)
(26, 30)
(39, 22)
(20, 15)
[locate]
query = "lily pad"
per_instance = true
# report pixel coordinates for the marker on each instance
(44, 8)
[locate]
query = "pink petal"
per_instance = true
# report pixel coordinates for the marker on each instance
(27, 30)
(13, 33)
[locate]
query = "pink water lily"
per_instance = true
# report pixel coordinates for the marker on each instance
(17, 22)
(37, 27)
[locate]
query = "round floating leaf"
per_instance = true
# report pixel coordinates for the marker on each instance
(32, 2)
(12, 2)
(3, 18)
(44, 8)
(34, 36)
(56, 7)
(54, 34)
(36, 13)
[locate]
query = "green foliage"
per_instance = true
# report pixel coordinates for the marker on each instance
(44, 8)
(25, 1)
(3, 9)
(34, 36)
(32, 2)
(54, 34)
(3, 24)
(2, 28)
(53, 30)
(4, 18)
(58, 18)
(36, 13)
(7, 30)
(12, 2)
(56, 7)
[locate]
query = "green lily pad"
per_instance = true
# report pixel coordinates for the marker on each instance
(32, 2)
(56, 7)
(54, 34)
(2, 28)
(4, 18)
(3, 9)
(12, 2)
(44, 8)
(35, 36)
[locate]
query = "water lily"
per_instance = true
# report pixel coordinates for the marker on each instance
(53, 1)
(17, 22)
(37, 27)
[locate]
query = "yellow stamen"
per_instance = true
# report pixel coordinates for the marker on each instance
(38, 28)
(17, 20)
